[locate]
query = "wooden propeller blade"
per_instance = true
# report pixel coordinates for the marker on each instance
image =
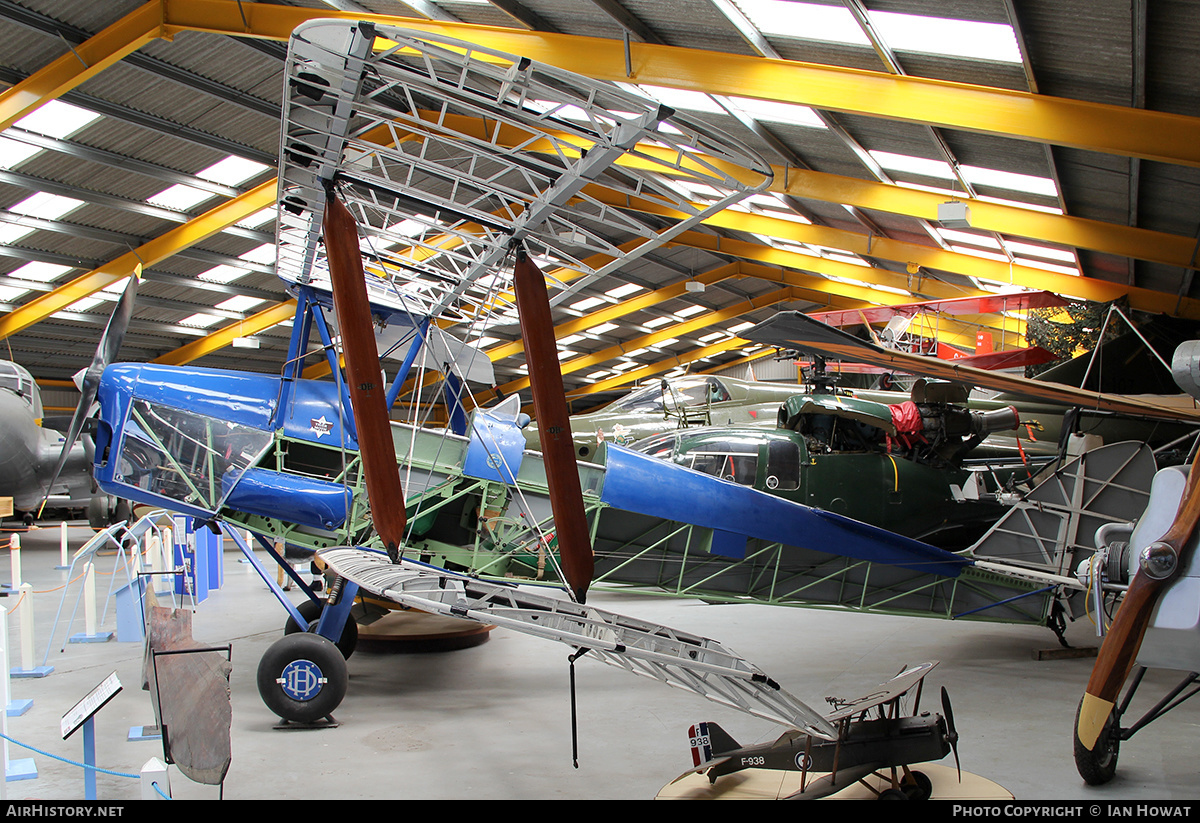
(376, 450)
(554, 425)
(1119, 650)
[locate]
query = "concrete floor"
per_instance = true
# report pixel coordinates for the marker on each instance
(493, 721)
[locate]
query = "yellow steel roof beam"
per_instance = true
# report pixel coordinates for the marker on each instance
(1030, 223)
(81, 62)
(1150, 135)
(147, 254)
(221, 338)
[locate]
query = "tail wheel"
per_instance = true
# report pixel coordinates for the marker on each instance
(303, 677)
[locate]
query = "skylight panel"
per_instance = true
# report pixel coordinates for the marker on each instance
(1031, 250)
(654, 323)
(109, 294)
(223, 274)
(260, 254)
(259, 218)
(47, 206)
(1028, 183)
(11, 293)
(623, 290)
(603, 328)
(199, 320)
(689, 311)
(684, 99)
(232, 170)
(985, 240)
(952, 38)
(587, 303)
(776, 112)
(57, 119)
(11, 233)
(14, 152)
(179, 197)
(240, 302)
(913, 165)
(804, 21)
(39, 272)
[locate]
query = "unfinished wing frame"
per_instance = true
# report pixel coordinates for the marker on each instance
(448, 155)
(689, 662)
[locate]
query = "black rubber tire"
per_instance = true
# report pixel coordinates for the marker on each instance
(1097, 766)
(311, 612)
(302, 677)
(920, 787)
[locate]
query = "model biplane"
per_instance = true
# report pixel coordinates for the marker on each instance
(874, 737)
(897, 322)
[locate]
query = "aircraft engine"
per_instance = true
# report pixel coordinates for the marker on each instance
(955, 422)
(952, 431)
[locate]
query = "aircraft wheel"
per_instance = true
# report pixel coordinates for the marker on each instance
(311, 612)
(302, 677)
(917, 786)
(892, 794)
(1098, 766)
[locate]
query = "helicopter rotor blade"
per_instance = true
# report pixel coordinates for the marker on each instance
(89, 385)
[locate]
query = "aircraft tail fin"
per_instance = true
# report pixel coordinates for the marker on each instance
(709, 741)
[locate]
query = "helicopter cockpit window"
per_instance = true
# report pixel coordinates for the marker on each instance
(660, 445)
(186, 456)
(20, 382)
(734, 460)
(685, 393)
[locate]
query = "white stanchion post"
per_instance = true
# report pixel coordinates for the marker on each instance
(63, 542)
(24, 615)
(22, 769)
(25, 625)
(4, 698)
(155, 772)
(158, 563)
(89, 600)
(14, 550)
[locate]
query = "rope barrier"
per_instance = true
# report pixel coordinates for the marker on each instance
(68, 760)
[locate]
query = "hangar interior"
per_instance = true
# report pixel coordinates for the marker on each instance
(919, 151)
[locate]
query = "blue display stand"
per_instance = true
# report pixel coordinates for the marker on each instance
(195, 563)
(131, 624)
(209, 548)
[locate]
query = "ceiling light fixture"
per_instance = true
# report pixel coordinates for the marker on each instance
(954, 214)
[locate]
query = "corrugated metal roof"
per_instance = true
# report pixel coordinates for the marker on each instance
(223, 93)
